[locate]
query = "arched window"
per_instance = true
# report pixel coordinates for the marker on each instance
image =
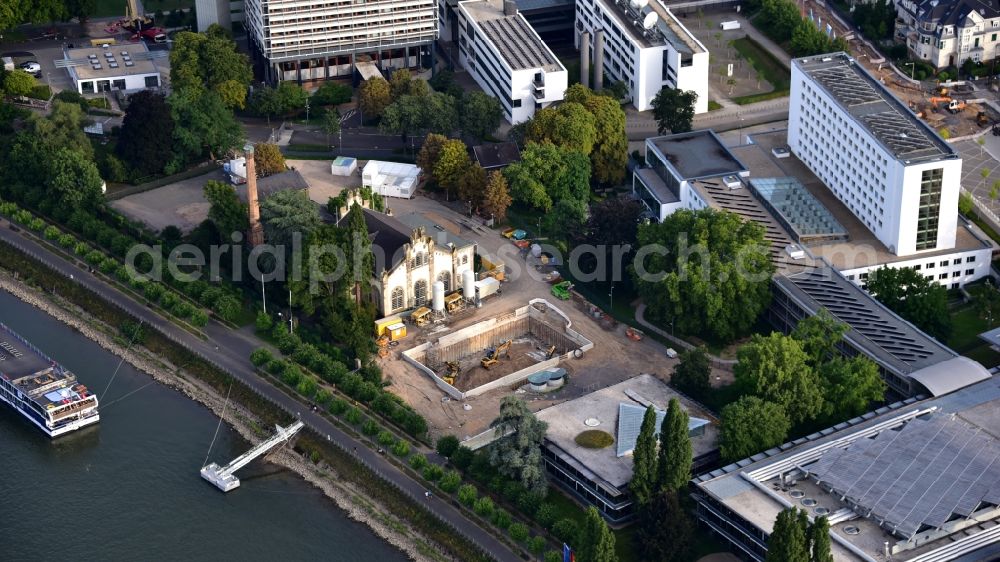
(419, 259)
(445, 277)
(420, 292)
(397, 298)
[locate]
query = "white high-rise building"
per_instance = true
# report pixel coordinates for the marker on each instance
(642, 44)
(325, 38)
(886, 165)
(507, 58)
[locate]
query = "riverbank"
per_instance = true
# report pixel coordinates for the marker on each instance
(380, 520)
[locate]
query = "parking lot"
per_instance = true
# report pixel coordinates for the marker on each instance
(975, 159)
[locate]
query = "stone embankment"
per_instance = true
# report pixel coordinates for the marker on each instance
(384, 524)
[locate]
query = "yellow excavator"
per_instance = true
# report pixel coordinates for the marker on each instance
(453, 369)
(493, 354)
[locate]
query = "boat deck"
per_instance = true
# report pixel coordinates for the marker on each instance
(18, 358)
(33, 373)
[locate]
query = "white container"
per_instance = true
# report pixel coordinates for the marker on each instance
(729, 25)
(469, 284)
(437, 303)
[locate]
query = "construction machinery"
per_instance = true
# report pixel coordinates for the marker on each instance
(634, 334)
(561, 290)
(493, 354)
(383, 346)
(550, 352)
(454, 302)
(453, 370)
(421, 316)
(135, 19)
(982, 119)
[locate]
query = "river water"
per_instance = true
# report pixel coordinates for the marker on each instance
(128, 488)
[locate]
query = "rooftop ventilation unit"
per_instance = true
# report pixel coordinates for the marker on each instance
(731, 181)
(113, 65)
(795, 252)
(129, 63)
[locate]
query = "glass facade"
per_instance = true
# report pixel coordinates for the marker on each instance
(929, 210)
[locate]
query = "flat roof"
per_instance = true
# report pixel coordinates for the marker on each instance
(875, 108)
(861, 248)
(516, 41)
(911, 474)
(93, 63)
(697, 154)
(604, 466)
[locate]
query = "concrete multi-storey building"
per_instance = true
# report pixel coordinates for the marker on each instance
(949, 32)
(887, 166)
(641, 43)
(508, 59)
(221, 12)
(326, 38)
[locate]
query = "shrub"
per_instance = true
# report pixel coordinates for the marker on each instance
(433, 473)
(536, 544)
(529, 503)
(287, 343)
(566, 530)
(450, 481)
(484, 506)
(154, 291)
(276, 366)
(228, 308)
(81, 248)
(447, 445)
(323, 396)
(502, 519)
(261, 356)
(462, 457)
(94, 257)
(51, 232)
(182, 309)
(512, 490)
(594, 439)
(210, 295)
(338, 406)
(385, 438)
(353, 416)
(198, 318)
(307, 386)
(108, 265)
(263, 322)
(370, 427)
(467, 494)
(67, 240)
(22, 217)
(36, 224)
(418, 462)
(519, 532)
(291, 373)
(546, 515)
(169, 300)
(401, 449)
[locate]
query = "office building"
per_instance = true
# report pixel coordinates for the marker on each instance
(507, 58)
(125, 68)
(949, 32)
(221, 12)
(640, 43)
(916, 481)
(324, 39)
(887, 166)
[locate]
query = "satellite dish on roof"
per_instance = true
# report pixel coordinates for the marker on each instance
(640, 4)
(650, 20)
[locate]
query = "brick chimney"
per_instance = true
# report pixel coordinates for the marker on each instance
(256, 235)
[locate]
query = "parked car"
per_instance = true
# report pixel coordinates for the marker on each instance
(31, 67)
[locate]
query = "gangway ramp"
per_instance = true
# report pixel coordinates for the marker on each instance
(223, 477)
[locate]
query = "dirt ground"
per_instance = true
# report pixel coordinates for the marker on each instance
(181, 204)
(473, 374)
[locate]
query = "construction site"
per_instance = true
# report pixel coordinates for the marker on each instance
(499, 352)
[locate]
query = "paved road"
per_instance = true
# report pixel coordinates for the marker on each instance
(229, 350)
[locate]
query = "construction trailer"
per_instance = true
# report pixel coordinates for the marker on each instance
(486, 287)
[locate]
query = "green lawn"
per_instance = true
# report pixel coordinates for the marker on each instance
(769, 68)
(967, 324)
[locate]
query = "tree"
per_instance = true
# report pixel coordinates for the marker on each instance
(751, 425)
(819, 335)
(496, 197)
(567, 125)
(292, 98)
(451, 164)
(481, 115)
(547, 173)
(673, 464)
(714, 279)
(63, 128)
(674, 110)
(265, 101)
(914, 297)
(665, 531)
(430, 153)
(18, 83)
(471, 185)
(146, 137)
(330, 123)
(202, 124)
(775, 368)
(781, 16)
(286, 213)
(517, 452)
(819, 540)
(788, 539)
(201, 62)
(643, 481)
(986, 299)
(597, 542)
(691, 375)
(268, 159)
(610, 153)
(442, 113)
(850, 386)
(965, 204)
(227, 211)
(374, 96)
(567, 217)
(614, 222)
(404, 117)
(399, 83)
(332, 93)
(73, 179)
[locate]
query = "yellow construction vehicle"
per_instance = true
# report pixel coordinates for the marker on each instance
(550, 352)
(453, 369)
(383, 346)
(454, 302)
(421, 316)
(493, 354)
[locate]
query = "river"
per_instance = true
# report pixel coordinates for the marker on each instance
(128, 488)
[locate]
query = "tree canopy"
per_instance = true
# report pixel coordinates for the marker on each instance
(481, 115)
(18, 83)
(788, 540)
(674, 110)
(374, 96)
(546, 174)
(209, 61)
(496, 196)
(226, 209)
(597, 544)
(776, 369)
(268, 159)
(609, 155)
(665, 532)
(567, 125)
(909, 294)
(517, 452)
(286, 213)
(643, 483)
(673, 463)
(751, 425)
(202, 125)
(146, 138)
(709, 272)
(693, 373)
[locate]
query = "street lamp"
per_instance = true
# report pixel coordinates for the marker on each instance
(307, 110)
(912, 66)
